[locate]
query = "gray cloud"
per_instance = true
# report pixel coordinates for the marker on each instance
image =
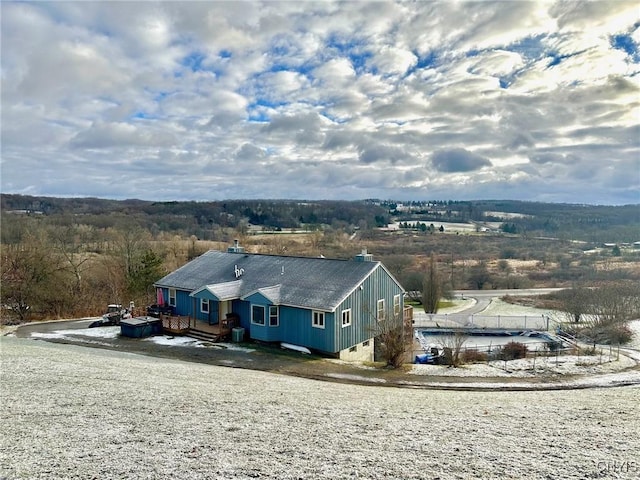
(524, 100)
(458, 160)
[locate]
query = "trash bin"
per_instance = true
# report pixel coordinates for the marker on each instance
(237, 334)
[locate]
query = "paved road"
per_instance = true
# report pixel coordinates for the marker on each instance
(482, 299)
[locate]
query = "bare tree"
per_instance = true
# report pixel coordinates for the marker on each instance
(575, 303)
(29, 275)
(603, 312)
(431, 287)
(393, 339)
(452, 346)
(479, 275)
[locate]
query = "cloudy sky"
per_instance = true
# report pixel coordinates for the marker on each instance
(322, 100)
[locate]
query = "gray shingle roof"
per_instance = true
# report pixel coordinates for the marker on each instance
(305, 282)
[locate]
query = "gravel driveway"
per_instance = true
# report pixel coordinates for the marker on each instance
(80, 413)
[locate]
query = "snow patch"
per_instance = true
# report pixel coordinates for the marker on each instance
(356, 378)
(98, 332)
(172, 341)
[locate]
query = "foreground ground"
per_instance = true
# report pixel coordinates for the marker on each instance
(75, 412)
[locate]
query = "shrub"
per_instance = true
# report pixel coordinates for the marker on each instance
(513, 351)
(474, 356)
(608, 334)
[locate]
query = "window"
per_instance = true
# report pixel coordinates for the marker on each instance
(172, 297)
(396, 304)
(317, 319)
(353, 349)
(346, 317)
(380, 314)
(365, 343)
(257, 315)
(204, 305)
(273, 316)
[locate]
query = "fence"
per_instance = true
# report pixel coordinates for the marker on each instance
(527, 322)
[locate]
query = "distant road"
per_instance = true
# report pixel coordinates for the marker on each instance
(502, 293)
(483, 297)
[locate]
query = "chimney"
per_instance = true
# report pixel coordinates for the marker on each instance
(364, 256)
(236, 248)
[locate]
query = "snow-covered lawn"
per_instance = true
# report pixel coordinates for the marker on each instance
(500, 307)
(635, 328)
(112, 332)
(97, 332)
(77, 413)
(530, 367)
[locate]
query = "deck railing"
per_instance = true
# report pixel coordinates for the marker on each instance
(175, 324)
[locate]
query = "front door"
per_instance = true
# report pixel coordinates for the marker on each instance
(225, 307)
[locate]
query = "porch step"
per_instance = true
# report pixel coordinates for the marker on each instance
(205, 336)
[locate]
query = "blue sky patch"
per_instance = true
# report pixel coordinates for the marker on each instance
(531, 48)
(626, 44)
(352, 49)
(194, 61)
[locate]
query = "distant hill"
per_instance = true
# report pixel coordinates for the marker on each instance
(570, 221)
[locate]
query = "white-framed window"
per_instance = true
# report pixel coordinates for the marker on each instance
(172, 297)
(380, 310)
(317, 319)
(346, 317)
(274, 320)
(204, 305)
(396, 304)
(257, 315)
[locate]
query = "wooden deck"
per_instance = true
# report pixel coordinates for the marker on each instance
(183, 325)
(176, 325)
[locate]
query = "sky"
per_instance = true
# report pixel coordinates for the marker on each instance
(419, 100)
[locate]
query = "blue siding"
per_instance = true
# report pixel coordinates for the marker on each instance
(295, 324)
(184, 303)
(242, 309)
(363, 304)
(297, 328)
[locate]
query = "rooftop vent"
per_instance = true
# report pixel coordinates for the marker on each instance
(364, 256)
(236, 248)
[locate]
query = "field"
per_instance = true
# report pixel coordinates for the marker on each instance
(74, 412)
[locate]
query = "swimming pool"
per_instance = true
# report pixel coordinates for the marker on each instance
(485, 340)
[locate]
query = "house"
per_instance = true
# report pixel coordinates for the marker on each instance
(326, 305)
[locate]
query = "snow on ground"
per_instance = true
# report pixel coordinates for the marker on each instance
(355, 378)
(500, 307)
(97, 332)
(532, 367)
(173, 341)
(635, 341)
(76, 413)
(111, 332)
